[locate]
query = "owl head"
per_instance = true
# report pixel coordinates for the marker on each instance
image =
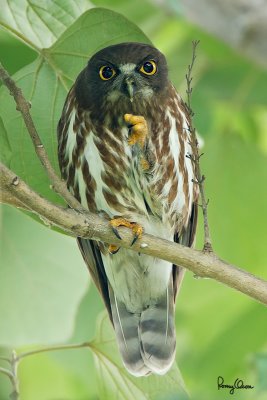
(123, 74)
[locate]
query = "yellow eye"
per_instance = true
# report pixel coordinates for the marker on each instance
(106, 72)
(149, 68)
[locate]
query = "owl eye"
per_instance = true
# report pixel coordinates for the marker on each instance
(106, 72)
(149, 68)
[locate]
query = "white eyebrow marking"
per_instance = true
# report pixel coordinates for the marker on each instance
(127, 68)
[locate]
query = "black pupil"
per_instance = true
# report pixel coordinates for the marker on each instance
(148, 67)
(107, 72)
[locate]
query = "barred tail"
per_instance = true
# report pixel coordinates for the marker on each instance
(146, 340)
(157, 333)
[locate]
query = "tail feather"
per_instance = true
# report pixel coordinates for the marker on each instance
(157, 333)
(146, 340)
(126, 329)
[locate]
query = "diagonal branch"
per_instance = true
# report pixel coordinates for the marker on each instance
(78, 222)
(24, 107)
(206, 265)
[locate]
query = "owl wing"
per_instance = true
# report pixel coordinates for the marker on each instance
(187, 235)
(186, 238)
(89, 248)
(92, 257)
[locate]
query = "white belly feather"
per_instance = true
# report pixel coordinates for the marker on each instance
(137, 280)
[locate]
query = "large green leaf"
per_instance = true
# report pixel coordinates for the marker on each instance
(45, 83)
(42, 281)
(116, 383)
(39, 23)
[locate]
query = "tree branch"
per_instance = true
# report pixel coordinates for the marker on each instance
(78, 222)
(24, 107)
(91, 226)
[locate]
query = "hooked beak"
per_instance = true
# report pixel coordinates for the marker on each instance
(130, 86)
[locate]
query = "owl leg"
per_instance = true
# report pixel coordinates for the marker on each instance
(117, 222)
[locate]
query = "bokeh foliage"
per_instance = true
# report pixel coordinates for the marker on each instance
(42, 277)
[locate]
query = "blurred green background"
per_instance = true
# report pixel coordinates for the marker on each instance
(45, 295)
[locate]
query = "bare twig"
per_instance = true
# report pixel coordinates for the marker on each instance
(16, 359)
(14, 382)
(14, 368)
(24, 107)
(195, 157)
(53, 348)
(6, 372)
(94, 227)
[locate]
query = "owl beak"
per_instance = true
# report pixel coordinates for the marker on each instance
(130, 86)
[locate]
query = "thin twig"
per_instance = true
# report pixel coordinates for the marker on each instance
(6, 372)
(14, 382)
(196, 156)
(14, 368)
(16, 359)
(24, 107)
(92, 226)
(53, 348)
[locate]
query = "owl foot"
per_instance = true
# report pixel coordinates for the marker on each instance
(136, 229)
(112, 249)
(138, 128)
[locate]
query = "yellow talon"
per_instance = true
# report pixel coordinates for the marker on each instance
(138, 127)
(136, 229)
(113, 249)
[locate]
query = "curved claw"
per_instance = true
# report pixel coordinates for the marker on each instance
(134, 239)
(136, 228)
(113, 249)
(116, 232)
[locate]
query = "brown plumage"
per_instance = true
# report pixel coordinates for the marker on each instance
(134, 167)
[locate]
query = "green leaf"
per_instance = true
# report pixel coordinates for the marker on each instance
(39, 23)
(116, 383)
(5, 148)
(45, 83)
(42, 281)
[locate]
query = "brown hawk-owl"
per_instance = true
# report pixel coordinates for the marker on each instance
(123, 145)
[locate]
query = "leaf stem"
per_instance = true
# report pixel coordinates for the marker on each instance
(12, 375)
(16, 358)
(53, 348)
(6, 372)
